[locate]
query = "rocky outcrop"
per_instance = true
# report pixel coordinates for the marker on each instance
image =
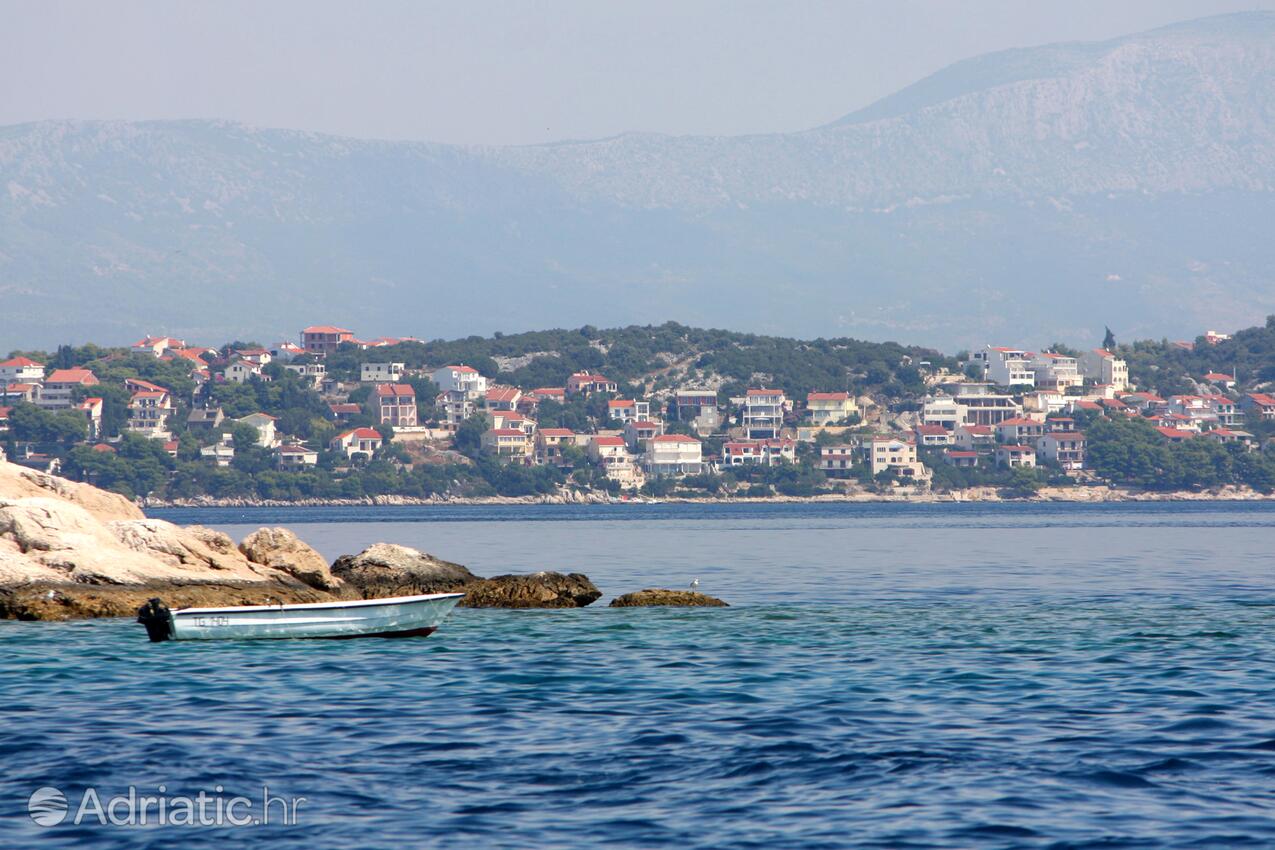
(17, 482)
(535, 590)
(387, 569)
(654, 596)
(71, 601)
(70, 550)
(282, 550)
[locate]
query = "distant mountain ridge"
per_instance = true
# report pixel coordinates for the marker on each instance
(1023, 196)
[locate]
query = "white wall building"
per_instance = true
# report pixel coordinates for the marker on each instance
(1006, 367)
(1103, 367)
(381, 373)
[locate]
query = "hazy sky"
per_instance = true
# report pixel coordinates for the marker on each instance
(516, 72)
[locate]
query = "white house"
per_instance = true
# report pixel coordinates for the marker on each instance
(357, 442)
(1014, 456)
(148, 412)
(267, 438)
(20, 370)
(1006, 367)
(242, 371)
(313, 373)
(613, 456)
(1103, 367)
(628, 410)
(1055, 371)
(461, 390)
(156, 345)
(295, 457)
(882, 453)
(58, 388)
(674, 454)
(830, 408)
(381, 373)
(763, 413)
(1065, 448)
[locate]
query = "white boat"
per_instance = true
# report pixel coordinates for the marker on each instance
(393, 616)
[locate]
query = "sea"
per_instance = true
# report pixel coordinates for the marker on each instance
(887, 675)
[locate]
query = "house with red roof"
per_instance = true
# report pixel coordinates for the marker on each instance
(637, 432)
(1225, 409)
(586, 383)
(510, 419)
(1221, 379)
(960, 458)
(1012, 456)
(502, 398)
(61, 384)
(21, 370)
(321, 340)
(613, 456)
(510, 445)
(628, 410)
(1176, 435)
(1259, 405)
(1227, 435)
(550, 443)
(1019, 430)
(156, 345)
(974, 437)
(242, 371)
(932, 435)
(344, 411)
(396, 404)
(13, 393)
(357, 443)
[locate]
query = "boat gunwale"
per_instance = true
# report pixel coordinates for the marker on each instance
(311, 606)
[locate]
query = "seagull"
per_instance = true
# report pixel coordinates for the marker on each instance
(694, 583)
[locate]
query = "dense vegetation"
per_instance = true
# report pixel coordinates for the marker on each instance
(641, 359)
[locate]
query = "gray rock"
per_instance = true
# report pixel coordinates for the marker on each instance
(284, 551)
(536, 590)
(654, 596)
(387, 569)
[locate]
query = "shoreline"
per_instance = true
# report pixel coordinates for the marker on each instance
(1076, 495)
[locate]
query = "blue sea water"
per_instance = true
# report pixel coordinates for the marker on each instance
(947, 676)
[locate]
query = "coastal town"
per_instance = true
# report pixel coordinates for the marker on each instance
(1005, 416)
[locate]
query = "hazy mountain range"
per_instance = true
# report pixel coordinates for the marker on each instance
(1023, 196)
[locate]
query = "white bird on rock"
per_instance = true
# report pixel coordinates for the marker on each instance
(694, 583)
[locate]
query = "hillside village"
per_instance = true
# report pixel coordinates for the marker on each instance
(335, 416)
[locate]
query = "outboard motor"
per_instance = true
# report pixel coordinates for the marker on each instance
(157, 619)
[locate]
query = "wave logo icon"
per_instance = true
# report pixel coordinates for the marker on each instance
(47, 806)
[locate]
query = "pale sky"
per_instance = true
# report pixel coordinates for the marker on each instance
(516, 72)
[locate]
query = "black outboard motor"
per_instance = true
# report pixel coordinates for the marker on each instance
(157, 619)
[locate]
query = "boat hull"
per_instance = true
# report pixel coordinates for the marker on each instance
(400, 616)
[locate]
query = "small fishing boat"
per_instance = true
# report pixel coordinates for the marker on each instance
(393, 616)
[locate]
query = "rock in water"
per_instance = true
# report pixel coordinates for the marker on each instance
(387, 569)
(660, 596)
(536, 590)
(281, 549)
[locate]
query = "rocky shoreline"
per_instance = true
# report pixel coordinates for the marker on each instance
(1079, 494)
(71, 551)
